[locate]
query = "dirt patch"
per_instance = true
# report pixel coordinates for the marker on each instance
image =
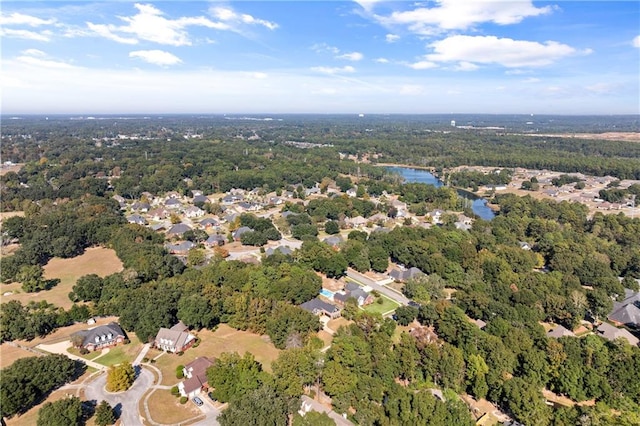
(8, 354)
(325, 337)
(7, 215)
(95, 260)
(608, 136)
(12, 168)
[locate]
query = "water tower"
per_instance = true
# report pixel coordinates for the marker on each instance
(453, 123)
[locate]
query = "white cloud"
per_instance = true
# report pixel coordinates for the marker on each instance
(39, 59)
(229, 15)
(465, 66)
(462, 15)
(503, 51)
(602, 88)
(636, 41)
(156, 57)
(34, 52)
(324, 47)
(531, 80)
(391, 38)
(26, 34)
(22, 19)
(422, 65)
(353, 56)
(382, 60)
(335, 70)
(150, 24)
(104, 31)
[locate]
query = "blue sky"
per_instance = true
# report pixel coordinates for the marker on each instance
(444, 56)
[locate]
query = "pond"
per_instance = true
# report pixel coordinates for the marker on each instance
(478, 204)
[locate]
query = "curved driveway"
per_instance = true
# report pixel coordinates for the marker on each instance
(126, 403)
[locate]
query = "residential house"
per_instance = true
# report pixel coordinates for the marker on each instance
(352, 192)
(197, 199)
(559, 332)
(356, 222)
(353, 290)
(248, 207)
(232, 198)
(180, 248)
(215, 240)
(173, 204)
(436, 215)
(209, 223)
(195, 374)
(193, 211)
(196, 193)
(159, 214)
(404, 275)
(627, 311)
(320, 307)
(174, 339)
(237, 234)
(137, 219)
(333, 241)
(140, 207)
(612, 333)
(178, 230)
(276, 201)
(103, 336)
(282, 249)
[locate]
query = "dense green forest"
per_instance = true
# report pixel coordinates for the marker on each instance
(576, 268)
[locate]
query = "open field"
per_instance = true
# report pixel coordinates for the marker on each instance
(8, 354)
(95, 260)
(166, 408)
(214, 343)
(607, 136)
(4, 169)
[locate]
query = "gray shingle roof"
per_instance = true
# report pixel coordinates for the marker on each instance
(104, 333)
(316, 306)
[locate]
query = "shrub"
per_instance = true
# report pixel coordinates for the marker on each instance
(179, 372)
(180, 353)
(145, 359)
(183, 399)
(175, 391)
(84, 351)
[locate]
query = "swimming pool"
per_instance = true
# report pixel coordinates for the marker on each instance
(326, 293)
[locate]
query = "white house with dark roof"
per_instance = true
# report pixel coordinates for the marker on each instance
(402, 274)
(193, 212)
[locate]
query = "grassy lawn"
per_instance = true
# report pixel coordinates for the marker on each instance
(166, 408)
(89, 356)
(387, 306)
(214, 343)
(95, 260)
(120, 354)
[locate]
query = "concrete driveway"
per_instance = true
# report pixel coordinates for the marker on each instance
(209, 410)
(125, 403)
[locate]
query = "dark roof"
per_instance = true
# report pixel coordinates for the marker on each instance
(209, 221)
(282, 249)
(560, 331)
(405, 274)
(200, 199)
(179, 229)
(628, 314)
(102, 333)
(316, 306)
(333, 240)
(180, 247)
(215, 239)
(238, 232)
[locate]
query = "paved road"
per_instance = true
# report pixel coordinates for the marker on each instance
(209, 410)
(316, 406)
(125, 402)
(392, 294)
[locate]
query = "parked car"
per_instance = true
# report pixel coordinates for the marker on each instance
(211, 396)
(197, 401)
(414, 304)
